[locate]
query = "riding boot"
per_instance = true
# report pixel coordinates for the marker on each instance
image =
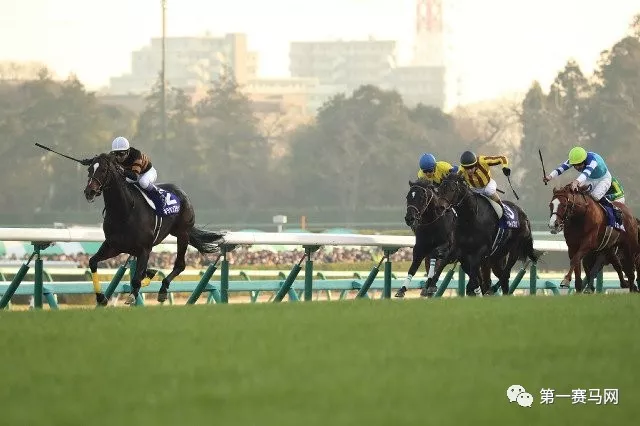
(497, 199)
(617, 213)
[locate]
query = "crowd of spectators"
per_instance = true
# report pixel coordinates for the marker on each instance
(246, 256)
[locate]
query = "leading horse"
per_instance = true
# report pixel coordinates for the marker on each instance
(588, 233)
(480, 236)
(132, 226)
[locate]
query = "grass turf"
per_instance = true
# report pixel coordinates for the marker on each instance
(438, 362)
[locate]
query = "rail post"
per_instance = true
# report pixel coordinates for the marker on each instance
(15, 283)
(445, 283)
(286, 285)
(204, 280)
(388, 251)
(308, 273)
(224, 273)
(38, 273)
(115, 280)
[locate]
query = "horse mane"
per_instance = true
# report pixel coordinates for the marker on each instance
(117, 178)
(424, 183)
(567, 188)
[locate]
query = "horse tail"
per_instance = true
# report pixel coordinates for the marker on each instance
(205, 241)
(528, 252)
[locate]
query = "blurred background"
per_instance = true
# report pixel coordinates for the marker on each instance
(315, 111)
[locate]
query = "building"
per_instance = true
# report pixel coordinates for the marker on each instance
(302, 95)
(191, 62)
(347, 64)
(419, 84)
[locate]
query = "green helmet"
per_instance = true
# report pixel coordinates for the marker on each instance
(577, 155)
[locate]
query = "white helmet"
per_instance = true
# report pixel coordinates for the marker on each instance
(120, 144)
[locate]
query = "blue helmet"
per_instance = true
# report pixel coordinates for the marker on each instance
(427, 162)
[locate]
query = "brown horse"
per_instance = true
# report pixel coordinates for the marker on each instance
(584, 225)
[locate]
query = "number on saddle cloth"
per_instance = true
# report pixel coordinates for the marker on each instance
(165, 203)
(509, 218)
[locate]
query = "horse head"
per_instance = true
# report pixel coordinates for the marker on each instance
(565, 204)
(103, 172)
(453, 188)
(421, 194)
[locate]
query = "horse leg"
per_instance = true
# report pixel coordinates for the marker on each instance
(576, 260)
(178, 266)
(587, 266)
(136, 281)
(630, 265)
(592, 264)
(614, 260)
(418, 255)
(485, 277)
(430, 288)
(505, 271)
(106, 251)
(475, 279)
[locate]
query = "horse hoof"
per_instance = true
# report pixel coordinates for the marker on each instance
(162, 297)
(131, 300)
(101, 300)
(429, 291)
(564, 284)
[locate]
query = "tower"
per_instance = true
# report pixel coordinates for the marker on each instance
(429, 47)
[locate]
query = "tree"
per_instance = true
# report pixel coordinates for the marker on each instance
(231, 151)
(357, 152)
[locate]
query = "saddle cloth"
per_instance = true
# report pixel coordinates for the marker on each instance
(164, 204)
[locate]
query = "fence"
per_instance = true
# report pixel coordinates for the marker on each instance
(219, 292)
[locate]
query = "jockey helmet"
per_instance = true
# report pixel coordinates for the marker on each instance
(468, 159)
(577, 155)
(427, 163)
(120, 144)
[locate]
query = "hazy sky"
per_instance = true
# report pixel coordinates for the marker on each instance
(502, 44)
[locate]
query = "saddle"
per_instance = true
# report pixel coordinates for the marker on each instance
(164, 204)
(507, 217)
(612, 221)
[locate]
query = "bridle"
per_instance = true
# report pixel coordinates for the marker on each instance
(420, 211)
(466, 193)
(101, 186)
(570, 206)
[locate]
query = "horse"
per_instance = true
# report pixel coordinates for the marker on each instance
(433, 228)
(481, 236)
(132, 226)
(587, 232)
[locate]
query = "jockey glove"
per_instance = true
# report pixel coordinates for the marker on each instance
(506, 171)
(130, 174)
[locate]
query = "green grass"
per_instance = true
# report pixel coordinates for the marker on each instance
(412, 362)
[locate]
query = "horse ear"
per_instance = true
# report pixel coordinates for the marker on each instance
(411, 183)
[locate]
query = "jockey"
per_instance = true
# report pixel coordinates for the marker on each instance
(433, 170)
(593, 170)
(477, 173)
(137, 166)
(616, 192)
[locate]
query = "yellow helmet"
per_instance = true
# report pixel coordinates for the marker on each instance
(577, 155)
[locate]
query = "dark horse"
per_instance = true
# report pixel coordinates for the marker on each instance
(433, 224)
(479, 237)
(590, 240)
(131, 226)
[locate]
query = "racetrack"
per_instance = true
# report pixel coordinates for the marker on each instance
(390, 362)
